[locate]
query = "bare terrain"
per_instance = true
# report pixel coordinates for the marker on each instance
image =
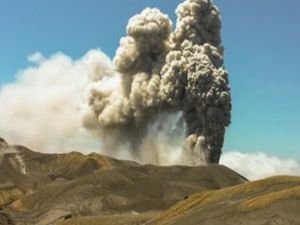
(77, 189)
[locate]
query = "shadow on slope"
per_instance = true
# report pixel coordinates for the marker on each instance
(273, 200)
(44, 189)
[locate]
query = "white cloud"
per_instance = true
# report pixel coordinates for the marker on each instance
(36, 57)
(260, 165)
(42, 109)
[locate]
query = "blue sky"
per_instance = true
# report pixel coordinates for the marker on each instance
(262, 41)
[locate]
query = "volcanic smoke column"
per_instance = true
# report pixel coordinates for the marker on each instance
(207, 101)
(165, 72)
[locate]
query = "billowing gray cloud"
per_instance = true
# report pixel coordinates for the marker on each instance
(164, 99)
(163, 72)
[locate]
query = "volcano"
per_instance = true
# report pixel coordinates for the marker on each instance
(72, 188)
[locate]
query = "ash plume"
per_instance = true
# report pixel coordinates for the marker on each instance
(163, 72)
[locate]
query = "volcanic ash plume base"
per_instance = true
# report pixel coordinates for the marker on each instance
(161, 72)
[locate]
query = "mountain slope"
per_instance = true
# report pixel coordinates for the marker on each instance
(77, 189)
(273, 200)
(48, 188)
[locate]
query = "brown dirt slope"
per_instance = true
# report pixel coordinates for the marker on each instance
(44, 189)
(275, 200)
(77, 189)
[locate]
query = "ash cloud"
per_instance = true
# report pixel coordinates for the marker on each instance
(164, 72)
(164, 99)
(43, 107)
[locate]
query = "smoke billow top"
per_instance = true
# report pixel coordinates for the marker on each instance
(170, 85)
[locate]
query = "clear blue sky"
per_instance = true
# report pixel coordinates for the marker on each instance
(262, 41)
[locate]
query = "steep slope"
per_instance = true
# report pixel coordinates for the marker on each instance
(47, 188)
(274, 200)
(77, 189)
